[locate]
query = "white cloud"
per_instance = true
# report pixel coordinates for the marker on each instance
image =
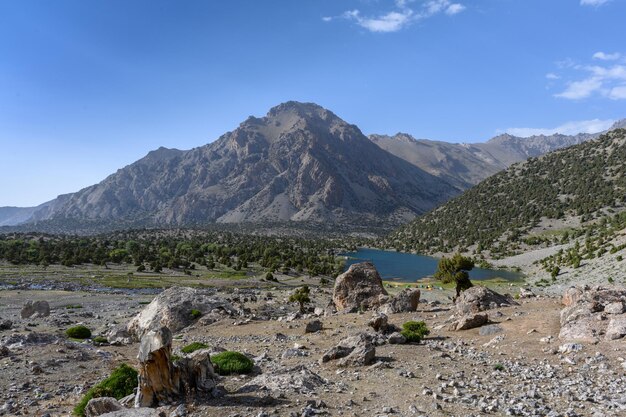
(607, 57)
(604, 80)
(552, 76)
(402, 17)
(569, 128)
(594, 3)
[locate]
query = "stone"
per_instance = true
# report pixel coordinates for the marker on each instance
(571, 296)
(570, 348)
(172, 309)
(119, 336)
(162, 382)
(134, 412)
(313, 326)
(526, 293)
(360, 287)
(469, 321)
(357, 350)
(490, 329)
(102, 405)
(396, 338)
(614, 308)
(4, 351)
(299, 380)
(405, 301)
(294, 353)
(6, 324)
(616, 328)
(478, 298)
(379, 322)
(35, 309)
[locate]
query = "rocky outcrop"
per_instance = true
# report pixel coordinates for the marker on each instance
(173, 309)
(478, 298)
(163, 382)
(405, 301)
(357, 350)
(360, 287)
(35, 309)
(593, 313)
(102, 405)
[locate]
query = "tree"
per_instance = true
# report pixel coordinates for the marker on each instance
(455, 269)
(301, 296)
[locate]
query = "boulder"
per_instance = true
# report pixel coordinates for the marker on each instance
(584, 316)
(313, 326)
(396, 338)
(526, 293)
(490, 330)
(379, 322)
(163, 382)
(616, 328)
(478, 298)
(357, 350)
(102, 405)
(405, 301)
(172, 309)
(469, 321)
(35, 309)
(360, 287)
(119, 336)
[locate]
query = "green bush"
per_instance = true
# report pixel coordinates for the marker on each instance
(227, 363)
(78, 332)
(193, 347)
(121, 382)
(195, 313)
(73, 306)
(100, 340)
(414, 331)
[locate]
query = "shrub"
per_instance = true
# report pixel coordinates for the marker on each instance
(301, 296)
(73, 306)
(414, 331)
(227, 363)
(498, 367)
(193, 347)
(121, 382)
(78, 332)
(100, 340)
(195, 313)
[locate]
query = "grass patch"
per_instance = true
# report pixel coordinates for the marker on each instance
(100, 340)
(78, 332)
(414, 331)
(227, 363)
(73, 306)
(121, 382)
(190, 348)
(195, 314)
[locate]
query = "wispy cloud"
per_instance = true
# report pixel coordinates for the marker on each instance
(594, 3)
(401, 17)
(569, 128)
(586, 80)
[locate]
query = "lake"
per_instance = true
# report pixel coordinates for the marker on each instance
(407, 267)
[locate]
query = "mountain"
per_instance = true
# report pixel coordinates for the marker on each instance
(465, 165)
(298, 163)
(565, 190)
(12, 216)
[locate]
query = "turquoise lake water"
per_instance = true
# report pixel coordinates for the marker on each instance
(406, 267)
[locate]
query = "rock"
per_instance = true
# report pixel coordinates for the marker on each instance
(19, 340)
(478, 298)
(357, 350)
(102, 405)
(35, 309)
(583, 317)
(360, 287)
(614, 308)
(134, 412)
(469, 321)
(570, 347)
(172, 309)
(396, 338)
(526, 293)
(490, 329)
(294, 353)
(4, 351)
(163, 382)
(313, 326)
(379, 322)
(405, 301)
(119, 336)
(6, 324)
(300, 380)
(616, 328)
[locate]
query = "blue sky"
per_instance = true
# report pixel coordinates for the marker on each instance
(87, 87)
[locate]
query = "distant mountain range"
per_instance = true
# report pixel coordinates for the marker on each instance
(298, 163)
